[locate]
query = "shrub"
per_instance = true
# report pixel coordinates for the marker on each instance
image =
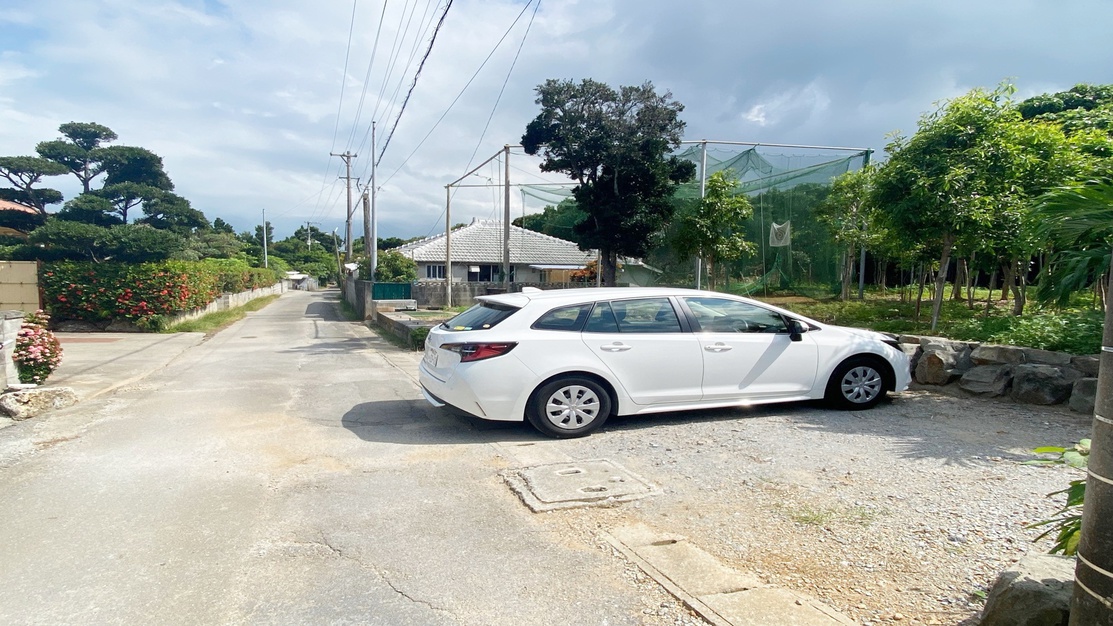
(37, 351)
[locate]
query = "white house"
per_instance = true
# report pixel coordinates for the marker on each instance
(477, 256)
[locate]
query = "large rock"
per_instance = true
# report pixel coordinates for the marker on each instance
(1043, 384)
(1088, 365)
(1083, 394)
(940, 362)
(25, 403)
(988, 380)
(1046, 357)
(914, 351)
(1036, 591)
(993, 355)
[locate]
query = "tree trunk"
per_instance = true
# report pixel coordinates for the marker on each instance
(1008, 275)
(941, 279)
(920, 295)
(960, 279)
(1019, 288)
(992, 284)
(609, 266)
(847, 273)
(1092, 603)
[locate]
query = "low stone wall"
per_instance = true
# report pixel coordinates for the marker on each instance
(1023, 374)
(400, 325)
(231, 301)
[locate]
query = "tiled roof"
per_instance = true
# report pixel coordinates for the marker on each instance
(482, 241)
(8, 205)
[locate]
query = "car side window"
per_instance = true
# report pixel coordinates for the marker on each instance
(569, 318)
(721, 315)
(601, 319)
(645, 315)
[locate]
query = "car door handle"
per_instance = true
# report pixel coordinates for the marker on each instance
(718, 347)
(615, 347)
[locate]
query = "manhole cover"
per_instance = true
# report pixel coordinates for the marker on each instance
(576, 484)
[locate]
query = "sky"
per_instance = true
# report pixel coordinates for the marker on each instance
(245, 100)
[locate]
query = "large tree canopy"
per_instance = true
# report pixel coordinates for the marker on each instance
(24, 172)
(615, 144)
(78, 150)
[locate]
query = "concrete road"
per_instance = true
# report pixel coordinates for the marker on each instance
(287, 471)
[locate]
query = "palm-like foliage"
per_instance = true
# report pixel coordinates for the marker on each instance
(1077, 222)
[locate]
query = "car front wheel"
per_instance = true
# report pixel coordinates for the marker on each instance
(857, 383)
(569, 407)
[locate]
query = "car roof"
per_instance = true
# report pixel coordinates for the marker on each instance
(556, 297)
(590, 294)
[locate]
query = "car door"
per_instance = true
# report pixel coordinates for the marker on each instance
(642, 342)
(748, 352)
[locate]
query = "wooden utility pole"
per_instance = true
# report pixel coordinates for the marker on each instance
(347, 156)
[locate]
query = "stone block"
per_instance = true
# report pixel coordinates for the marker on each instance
(936, 366)
(24, 403)
(1088, 365)
(1083, 395)
(989, 354)
(1042, 384)
(1046, 357)
(988, 380)
(1036, 591)
(913, 350)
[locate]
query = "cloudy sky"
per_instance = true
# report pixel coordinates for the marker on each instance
(246, 99)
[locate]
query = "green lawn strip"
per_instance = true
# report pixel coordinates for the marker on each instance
(213, 323)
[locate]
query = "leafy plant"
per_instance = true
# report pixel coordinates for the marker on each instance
(37, 351)
(1067, 522)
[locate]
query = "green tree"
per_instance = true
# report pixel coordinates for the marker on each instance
(78, 150)
(127, 243)
(1077, 222)
(91, 209)
(713, 228)
(967, 176)
(389, 243)
(169, 211)
(393, 267)
(852, 218)
(556, 221)
(24, 172)
(220, 226)
(129, 164)
(127, 196)
(615, 144)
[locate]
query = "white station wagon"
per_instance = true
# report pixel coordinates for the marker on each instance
(566, 360)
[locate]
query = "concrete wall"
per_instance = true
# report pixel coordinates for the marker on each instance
(10, 323)
(19, 286)
(233, 300)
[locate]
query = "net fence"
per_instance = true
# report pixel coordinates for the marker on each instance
(794, 252)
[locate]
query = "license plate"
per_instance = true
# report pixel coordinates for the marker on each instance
(430, 357)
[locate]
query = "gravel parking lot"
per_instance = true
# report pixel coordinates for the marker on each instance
(903, 514)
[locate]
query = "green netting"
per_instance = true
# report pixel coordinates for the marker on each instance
(785, 186)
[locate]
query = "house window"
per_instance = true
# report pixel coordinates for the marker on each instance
(434, 271)
(487, 273)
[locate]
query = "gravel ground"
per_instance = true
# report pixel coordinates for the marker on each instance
(903, 514)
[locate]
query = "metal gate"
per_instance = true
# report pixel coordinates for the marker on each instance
(19, 286)
(391, 291)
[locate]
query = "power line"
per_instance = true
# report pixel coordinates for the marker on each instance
(367, 76)
(504, 82)
(413, 85)
(458, 96)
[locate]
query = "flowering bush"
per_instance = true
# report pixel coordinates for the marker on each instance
(142, 293)
(37, 351)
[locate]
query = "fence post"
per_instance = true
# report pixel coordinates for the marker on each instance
(10, 323)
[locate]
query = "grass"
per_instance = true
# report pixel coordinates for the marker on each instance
(807, 515)
(1075, 328)
(215, 322)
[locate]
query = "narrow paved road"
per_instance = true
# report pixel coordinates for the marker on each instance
(287, 471)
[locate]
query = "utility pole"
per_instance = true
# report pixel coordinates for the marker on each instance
(348, 156)
(265, 264)
(308, 240)
(371, 235)
(506, 221)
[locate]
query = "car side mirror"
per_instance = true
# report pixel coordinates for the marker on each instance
(796, 328)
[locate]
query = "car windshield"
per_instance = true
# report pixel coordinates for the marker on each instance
(480, 317)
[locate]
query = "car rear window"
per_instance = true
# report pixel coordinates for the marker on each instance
(565, 318)
(480, 317)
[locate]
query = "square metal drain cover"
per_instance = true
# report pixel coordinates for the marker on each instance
(598, 482)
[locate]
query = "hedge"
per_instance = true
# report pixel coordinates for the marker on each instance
(141, 293)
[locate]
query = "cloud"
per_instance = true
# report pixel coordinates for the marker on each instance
(245, 101)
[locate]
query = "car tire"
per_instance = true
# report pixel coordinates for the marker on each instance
(572, 406)
(857, 383)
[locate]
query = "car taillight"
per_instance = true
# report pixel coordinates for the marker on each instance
(478, 351)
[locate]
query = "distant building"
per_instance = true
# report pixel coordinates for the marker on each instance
(477, 256)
